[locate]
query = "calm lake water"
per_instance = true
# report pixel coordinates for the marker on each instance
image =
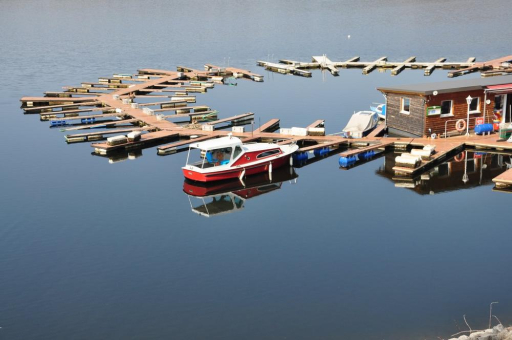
(93, 250)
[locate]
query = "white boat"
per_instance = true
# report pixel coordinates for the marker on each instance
(360, 124)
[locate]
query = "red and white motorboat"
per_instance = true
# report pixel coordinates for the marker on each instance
(227, 157)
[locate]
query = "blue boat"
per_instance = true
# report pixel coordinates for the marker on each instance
(380, 109)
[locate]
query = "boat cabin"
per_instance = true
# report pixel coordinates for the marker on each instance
(215, 152)
(422, 110)
(229, 151)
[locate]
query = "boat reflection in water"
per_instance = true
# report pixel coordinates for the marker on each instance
(223, 197)
(466, 170)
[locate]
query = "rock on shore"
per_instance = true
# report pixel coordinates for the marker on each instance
(496, 333)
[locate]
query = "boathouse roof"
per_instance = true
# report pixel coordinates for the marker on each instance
(449, 86)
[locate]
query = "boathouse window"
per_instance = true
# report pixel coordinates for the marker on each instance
(446, 108)
(268, 153)
(406, 105)
(474, 107)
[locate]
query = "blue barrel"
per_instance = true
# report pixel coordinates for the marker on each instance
(321, 152)
(366, 155)
(347, 161)
(300, 156)
(58, 122)
(88, 120)
(483, 128)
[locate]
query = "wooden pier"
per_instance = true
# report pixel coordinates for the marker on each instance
(504, 181)
(488, 68)
(124, 116)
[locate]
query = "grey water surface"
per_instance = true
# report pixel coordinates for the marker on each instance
(93, 250)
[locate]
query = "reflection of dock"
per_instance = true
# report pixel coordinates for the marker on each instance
(466, 170)
(491, 67)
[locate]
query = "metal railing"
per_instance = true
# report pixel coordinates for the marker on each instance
(471, 119)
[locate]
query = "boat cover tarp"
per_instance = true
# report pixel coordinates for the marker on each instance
(361, 122)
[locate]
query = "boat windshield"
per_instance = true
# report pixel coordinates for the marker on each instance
(209, 158)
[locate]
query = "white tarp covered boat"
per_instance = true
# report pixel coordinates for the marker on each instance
(361, 123)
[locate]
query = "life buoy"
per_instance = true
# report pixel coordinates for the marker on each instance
(459, 157)
(460, 125)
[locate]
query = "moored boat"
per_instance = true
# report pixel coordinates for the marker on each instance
(380, 109)
(360, 124)
(227, 157)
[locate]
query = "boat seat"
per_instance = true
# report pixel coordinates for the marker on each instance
(209, 157)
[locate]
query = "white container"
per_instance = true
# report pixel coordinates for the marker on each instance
(116, 140)
(115, 96)
(160, 116)
(135, 105)
(408, 160)
(285, 131)
(429, 147)
(207, 127)
(238, 129)
(118, 110)
(188, 99)
(148, 111)
(411, 156)
(316, 131)
(126, 100)
(296, 131)
(134, 136)
(424, 154)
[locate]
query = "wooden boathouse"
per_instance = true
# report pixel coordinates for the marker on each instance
(421, 110)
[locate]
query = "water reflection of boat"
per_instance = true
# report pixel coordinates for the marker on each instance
(229, 196)
(466, 170)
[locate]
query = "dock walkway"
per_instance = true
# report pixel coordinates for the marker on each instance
(158, 129)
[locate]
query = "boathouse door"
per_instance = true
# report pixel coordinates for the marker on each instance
(507, 108)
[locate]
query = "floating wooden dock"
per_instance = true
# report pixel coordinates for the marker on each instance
(130, 115)
(492, 67)
(504, 181)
